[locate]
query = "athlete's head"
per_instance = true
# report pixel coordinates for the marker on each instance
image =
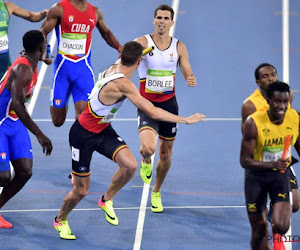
(265, 74)
(34, 41)
(278, 95)
(163, 19)
(131, 53)
(164, 7)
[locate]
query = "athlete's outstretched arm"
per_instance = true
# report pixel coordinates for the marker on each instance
(130, 91)
(31, 16)
(107, 35)
(21, 76)
(185, 65)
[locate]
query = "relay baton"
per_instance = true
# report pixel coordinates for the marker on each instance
(148, 50)
(48, 51)
(286, 146)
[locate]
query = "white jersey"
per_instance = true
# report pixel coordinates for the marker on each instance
(108, 112)
(157, 70)
(97, 116)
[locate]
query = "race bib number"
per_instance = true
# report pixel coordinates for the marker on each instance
(3, 42)
(159, 81)
(72, 44)
(272, 154)
(112, 114)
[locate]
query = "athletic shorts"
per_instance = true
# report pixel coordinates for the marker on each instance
(166, 130)
(293, 179)
(83, 143)
(259, 184)
(14, 143)
(70, 77)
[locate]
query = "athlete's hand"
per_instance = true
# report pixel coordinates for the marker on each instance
(280, 164)
(48, 61)
(45, 143)
(43, 13)
(191, 80)
(195, 118)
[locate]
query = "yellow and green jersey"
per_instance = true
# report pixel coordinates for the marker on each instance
(270, 138)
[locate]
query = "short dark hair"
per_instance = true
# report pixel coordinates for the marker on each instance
(164, 7)
(277, 86)
(131, 52)
(256, 72)
(33, 40)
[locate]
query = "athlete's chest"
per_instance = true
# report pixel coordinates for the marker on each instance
(78, 22)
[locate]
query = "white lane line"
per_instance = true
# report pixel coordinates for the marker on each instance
(175, 7)
(142, 213)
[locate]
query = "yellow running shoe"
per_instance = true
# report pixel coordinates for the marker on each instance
(156, 205)
(64, 230)
(146, 172)
(107, 207)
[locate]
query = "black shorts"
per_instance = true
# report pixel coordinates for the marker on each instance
(293, 179)
(165, 130)
(83, 143)
(259, 184)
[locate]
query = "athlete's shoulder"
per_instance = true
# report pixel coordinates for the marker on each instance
(248, 108)
(56, 9)
(142, 40)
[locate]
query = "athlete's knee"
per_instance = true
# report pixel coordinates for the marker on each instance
(58, 121)
(4, 178)
(147, 150)
(81, 192)
(58, 116)
(165, 156)
(281, 226)
(130, 167)
(26, 174)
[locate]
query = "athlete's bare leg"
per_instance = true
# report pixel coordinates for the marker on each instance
(148, 144)
(295, 192)
(164, 163)
(281, 217)
(23, 172)
(259, 236)
(80, 190)
(79, 107)
(58, 115)
(127, 167)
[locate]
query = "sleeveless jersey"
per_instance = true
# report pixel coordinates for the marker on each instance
(6, 110)
(270, 138)
(157, 72)
(97, 116)
(259, 101)
(74, 34)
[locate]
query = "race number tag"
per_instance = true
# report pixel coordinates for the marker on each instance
(159, 81)
(3, 42)
(72, 44)
(272, 154)
(111, 115)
